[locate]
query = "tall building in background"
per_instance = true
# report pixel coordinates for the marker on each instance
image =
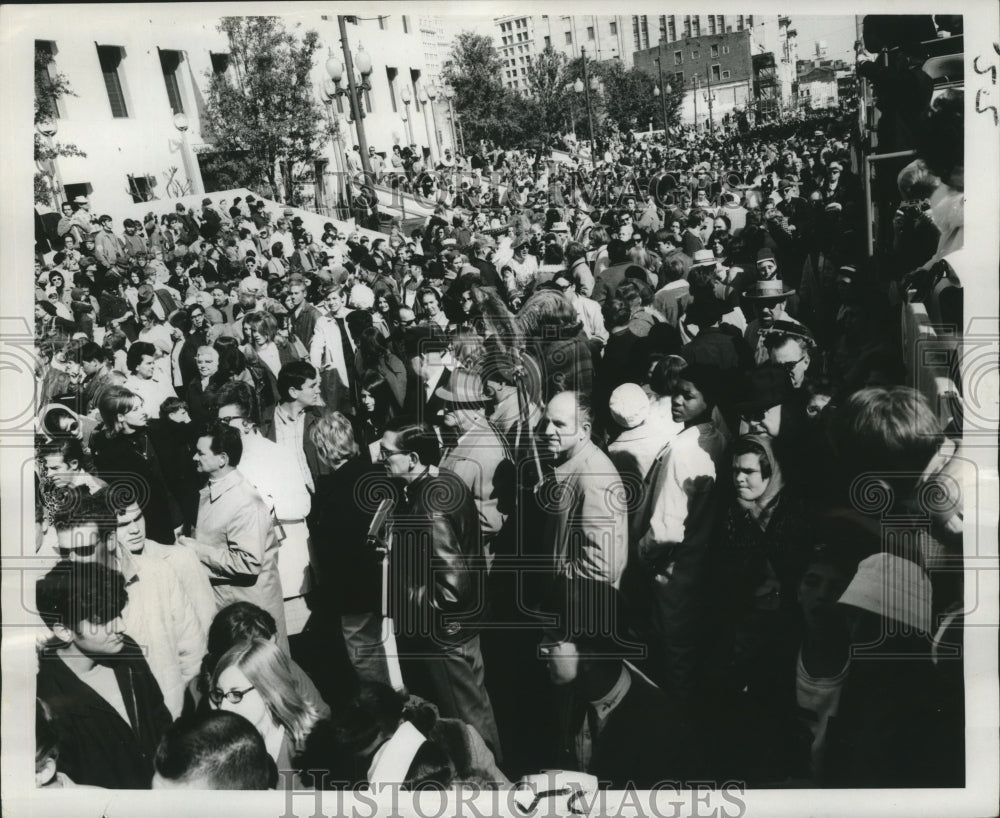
(437, 45)
(519, 38)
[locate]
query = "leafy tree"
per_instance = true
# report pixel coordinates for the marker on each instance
(265, 119)
(488, 109)
(548, 103)
(627, 98)
(49, 88)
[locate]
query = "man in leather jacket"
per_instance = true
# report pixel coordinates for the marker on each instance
(437, 578)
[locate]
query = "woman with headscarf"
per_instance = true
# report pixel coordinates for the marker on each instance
(757, 566)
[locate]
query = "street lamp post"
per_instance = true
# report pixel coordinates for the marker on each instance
(694, 82)
(449, 93)
(662, 94)
(191, 167)
(570, 89)
(364, 64)
(407, 98)
(47, 129)
(586, 90)
(328, 94)
(709, 98)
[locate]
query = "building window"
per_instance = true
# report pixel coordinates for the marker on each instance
(696, 25)
(569, 38)
(71, 191)
(711, 24)
(716, 72)
(111, 58)
(614, 28)
(390, 75)
(725, 49)
(220, 64)
(635, 31)
(687, 25)
(169, 62)
(714, 50)
(671, 28)
(141, 188)
(414, 76)
(548, 41)
(644, 27)
(695, 55)
(725, 75)
(590, 32)
(720, 23)
(739, 22)
(678, 57)
(678, 79)
(45, 51)
(663, 27)
(749, 21)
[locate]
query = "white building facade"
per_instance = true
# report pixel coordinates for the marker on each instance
(132, 75)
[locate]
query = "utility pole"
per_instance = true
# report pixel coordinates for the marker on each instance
(697, 88)
(708, 77)
(586, 91)
(359, 113)
(663, 91)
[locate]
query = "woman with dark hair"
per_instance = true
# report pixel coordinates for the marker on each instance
(377, 407)
(57, 290)
(124, 447)
(673, 530)
(487, 314)
(757, 566)
(266, 353)
(276, 265)
(374, 354)
(387, 308)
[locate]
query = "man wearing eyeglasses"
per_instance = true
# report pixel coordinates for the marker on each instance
(160, 616)
(788, 346)
(438, 579)
(95, 680)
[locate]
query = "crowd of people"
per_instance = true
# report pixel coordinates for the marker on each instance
(590, 472)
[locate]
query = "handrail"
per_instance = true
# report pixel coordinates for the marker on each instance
(877, 157)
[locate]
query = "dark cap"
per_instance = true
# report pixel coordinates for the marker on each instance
(764, 387)
(423, 339)
(704, 312)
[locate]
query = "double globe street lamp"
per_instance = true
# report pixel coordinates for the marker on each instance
(337, 70)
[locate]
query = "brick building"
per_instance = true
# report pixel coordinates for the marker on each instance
(721, 62)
